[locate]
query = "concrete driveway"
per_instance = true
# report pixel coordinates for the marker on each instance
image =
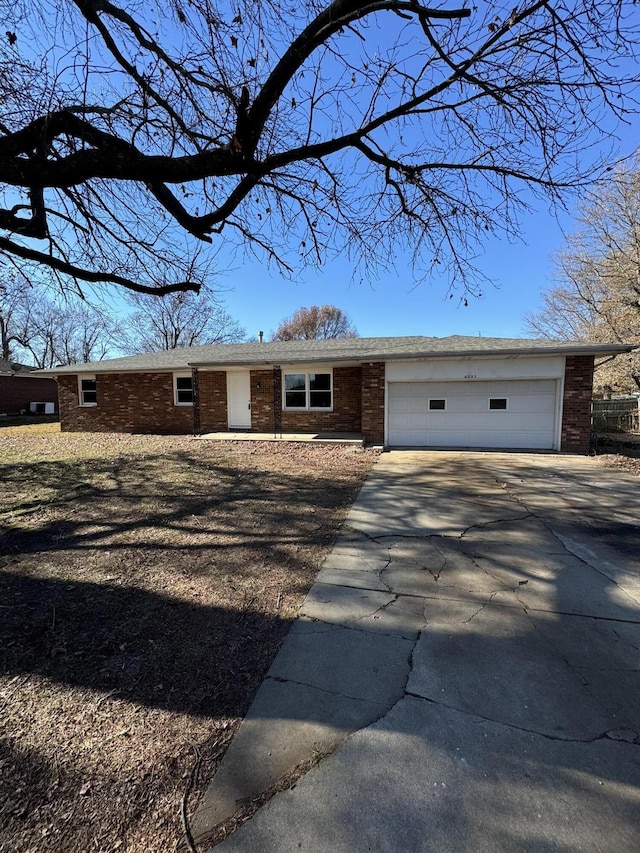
(464, 675)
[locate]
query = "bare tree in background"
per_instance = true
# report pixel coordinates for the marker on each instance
(40, 330)
(15, 319)
(179, 320)
(317, 322)
(597, 297)
(131, 134)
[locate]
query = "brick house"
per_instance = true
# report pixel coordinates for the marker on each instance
(400, 392)
(21, 389)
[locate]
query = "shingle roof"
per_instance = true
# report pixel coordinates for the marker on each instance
(337, 350)
(13, 368)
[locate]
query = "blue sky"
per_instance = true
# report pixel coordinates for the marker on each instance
(395, 305)
(517, 273)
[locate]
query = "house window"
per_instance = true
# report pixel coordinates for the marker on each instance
(437, 405)
(87, 391)
(295, 390)
(308, 390)
(498, 403)
(183, 389)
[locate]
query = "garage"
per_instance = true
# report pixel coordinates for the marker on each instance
(494, 414)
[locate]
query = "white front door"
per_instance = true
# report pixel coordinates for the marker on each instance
(239, 400)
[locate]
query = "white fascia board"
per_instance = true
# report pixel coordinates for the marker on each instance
(474, 368)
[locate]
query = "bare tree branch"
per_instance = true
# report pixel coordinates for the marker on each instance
(125, 133)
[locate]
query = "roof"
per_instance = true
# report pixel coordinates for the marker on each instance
(14, 368)
(354, 350)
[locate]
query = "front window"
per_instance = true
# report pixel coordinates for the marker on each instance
(319, 390)
(307, 390)
(183, 390)
(87, 391)
(295, 391)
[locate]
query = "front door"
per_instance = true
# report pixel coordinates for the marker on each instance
(239, 400)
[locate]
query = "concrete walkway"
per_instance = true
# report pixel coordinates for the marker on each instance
(470, 658)
(350, 438)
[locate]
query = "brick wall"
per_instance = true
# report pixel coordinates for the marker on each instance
(373, 375)
(345, 417)
(212, 388)
(143, 402)
(576, 409)
(127, 402)
(262, 400)
(16, 392)
(347, 400)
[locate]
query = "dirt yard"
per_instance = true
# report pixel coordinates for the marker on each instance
(620, 450)
(146, 584)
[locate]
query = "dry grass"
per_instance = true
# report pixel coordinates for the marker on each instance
(146, 584)
(620, 450)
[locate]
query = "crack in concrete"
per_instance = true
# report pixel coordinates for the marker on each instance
(624, 734)
(559, 538)
(383, 607)
(574, 553)
(281, 680)
(504, 587)
(575, 670)
(444, 559)
(624, 640)
(384, 569)
(480, 525)
(473, 615)
(606, 735)
(354, 626)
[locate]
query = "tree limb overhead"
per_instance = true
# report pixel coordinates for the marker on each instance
(131, 134)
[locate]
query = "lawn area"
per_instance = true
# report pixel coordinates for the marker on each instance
(146, 584)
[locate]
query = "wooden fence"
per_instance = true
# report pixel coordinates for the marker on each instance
(621, 415)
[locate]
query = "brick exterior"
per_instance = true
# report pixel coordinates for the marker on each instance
(262, 402)
(127, 402)
(212, 388)
(347, 403)
(16, 392)
(143, 402)
(373, 376)
(576, 408)
(345, 416)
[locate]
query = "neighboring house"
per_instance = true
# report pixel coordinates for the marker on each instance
(402, 392)
(21, 388)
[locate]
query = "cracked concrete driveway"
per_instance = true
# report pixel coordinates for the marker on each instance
(466, 670)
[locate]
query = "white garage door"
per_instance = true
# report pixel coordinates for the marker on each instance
(504, 413)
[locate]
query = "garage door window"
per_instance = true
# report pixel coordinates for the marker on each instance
(498, 403)
(437, 405)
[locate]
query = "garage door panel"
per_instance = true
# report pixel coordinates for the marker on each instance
(544, 403)
(467, 421)
(404, 422)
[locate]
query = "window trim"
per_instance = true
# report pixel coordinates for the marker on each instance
(306, 371)
(504, 408)
(87, 377)
(181, 374)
